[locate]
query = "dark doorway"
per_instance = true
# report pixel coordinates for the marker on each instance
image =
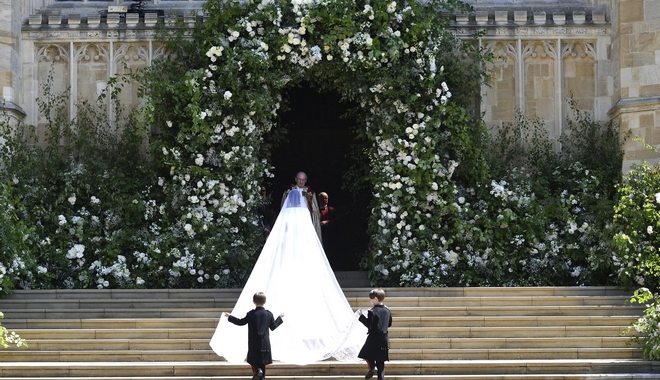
(319, 141)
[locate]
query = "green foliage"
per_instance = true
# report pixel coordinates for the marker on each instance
(165, 196)
(542, 218)
(218, 95)
(646, 330)
(8, 337)
(17, 264)
(636, 227)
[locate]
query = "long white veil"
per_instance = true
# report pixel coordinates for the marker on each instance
(294, 272)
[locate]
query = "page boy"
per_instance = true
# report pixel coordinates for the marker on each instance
(376, 348)
(259, 321)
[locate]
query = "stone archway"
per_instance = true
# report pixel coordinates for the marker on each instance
(320, 141)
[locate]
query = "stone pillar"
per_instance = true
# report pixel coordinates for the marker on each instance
(10, 57)
(636, 57)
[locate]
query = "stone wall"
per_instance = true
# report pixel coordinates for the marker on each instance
(543, 57)
(636, 54)
(602, 53)
(10, 61)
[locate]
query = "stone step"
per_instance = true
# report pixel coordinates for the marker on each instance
(173, 344)
(228, 303)
(615, 376)
(64, 357)
(455, 311)
(396, 331)
(448, 333)
(394, 368)
(352, 279)
(432, 321)
(592, 291)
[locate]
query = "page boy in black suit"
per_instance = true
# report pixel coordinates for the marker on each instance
(376, 348)
(259, 322)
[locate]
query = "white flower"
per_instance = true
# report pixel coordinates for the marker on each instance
(41, 269)
(165, 152)
(216, 277)
(576, 272)
(72, 199)
(199, 161)
(169, 123)
(391, 7)
(461, 200)
(227, 95)
(76, 252)
(649, 230)
(657, 197)
(215, 51)
(61, 220)
(139, 281)
(94, 200)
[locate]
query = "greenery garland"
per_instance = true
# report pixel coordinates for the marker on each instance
(388, 58)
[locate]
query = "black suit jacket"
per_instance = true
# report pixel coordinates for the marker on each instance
(377, 345)
(259, 322)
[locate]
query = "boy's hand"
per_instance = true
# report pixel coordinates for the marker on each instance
(226, 314)
(282, 315)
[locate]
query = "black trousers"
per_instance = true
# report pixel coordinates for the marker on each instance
(378, 366)
(258, 366)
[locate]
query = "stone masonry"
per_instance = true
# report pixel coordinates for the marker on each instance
(605, 54)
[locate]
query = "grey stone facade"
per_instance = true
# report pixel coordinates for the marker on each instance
(603, 53)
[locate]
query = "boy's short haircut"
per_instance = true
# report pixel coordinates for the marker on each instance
(259, 298)
(377, 293)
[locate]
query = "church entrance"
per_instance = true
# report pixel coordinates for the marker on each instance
(320, 142)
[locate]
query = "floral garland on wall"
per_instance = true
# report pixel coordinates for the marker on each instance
(450, 205)
(384, 56)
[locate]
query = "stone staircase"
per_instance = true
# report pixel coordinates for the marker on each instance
(553, 333)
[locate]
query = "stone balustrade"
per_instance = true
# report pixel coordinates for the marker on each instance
(479, 18)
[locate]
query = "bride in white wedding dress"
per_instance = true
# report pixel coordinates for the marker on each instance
(294, 273)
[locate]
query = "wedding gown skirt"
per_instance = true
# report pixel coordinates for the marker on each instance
(294, 273)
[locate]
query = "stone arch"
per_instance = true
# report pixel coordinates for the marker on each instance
(500, 101)
(579, 64)
(93, 66)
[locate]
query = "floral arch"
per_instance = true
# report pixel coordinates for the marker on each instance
(217, 97)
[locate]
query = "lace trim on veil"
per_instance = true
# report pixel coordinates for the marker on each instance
(347, 353)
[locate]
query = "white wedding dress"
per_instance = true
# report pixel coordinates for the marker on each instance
(294, 273)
